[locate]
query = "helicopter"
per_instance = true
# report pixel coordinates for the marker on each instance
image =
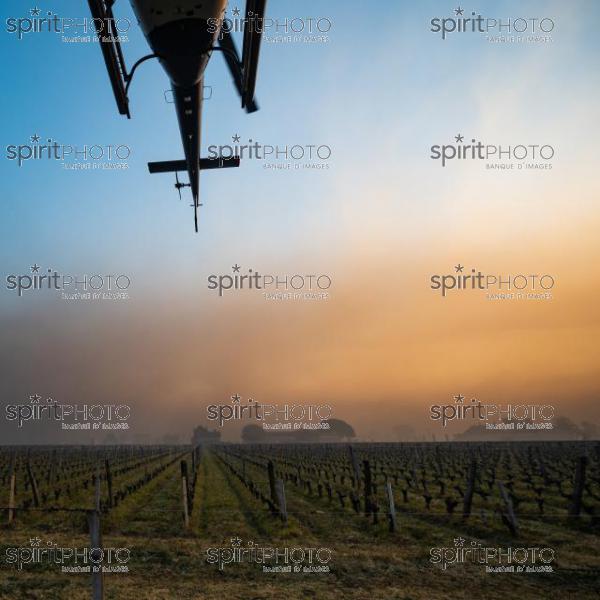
(183, 35)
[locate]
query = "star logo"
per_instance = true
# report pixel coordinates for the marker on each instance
(459, 11)
(35, 138)
(236, 268)
(35, 542)
(459, 399)
(459, 268)
(236, 541)
(459, 138)
(459, 541)
(236, 398)
(35, 399)
(35, 268)
(236, 12)
(35, 12)
(235, 138)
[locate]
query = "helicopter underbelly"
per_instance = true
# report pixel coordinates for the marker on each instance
(152, 14)
(181, 33)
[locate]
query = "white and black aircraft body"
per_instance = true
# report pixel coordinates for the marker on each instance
(183, 34)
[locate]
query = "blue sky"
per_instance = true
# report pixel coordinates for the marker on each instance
(382, 72)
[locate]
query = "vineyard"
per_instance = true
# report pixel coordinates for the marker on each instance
(190, 522)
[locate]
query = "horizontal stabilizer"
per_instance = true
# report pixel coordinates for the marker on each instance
(172, 166)
(219, 163)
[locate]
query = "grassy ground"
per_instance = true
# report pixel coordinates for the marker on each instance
(368, 563)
